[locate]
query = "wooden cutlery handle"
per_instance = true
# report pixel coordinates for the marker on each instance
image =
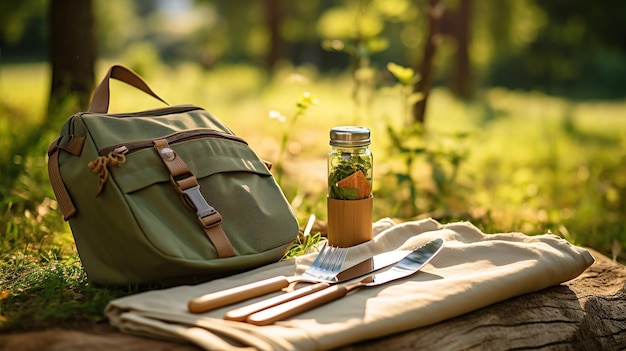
(294, 307)
(226, 297)
(242, 313)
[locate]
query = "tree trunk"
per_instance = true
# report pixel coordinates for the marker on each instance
(72, 53)
(436, 9)
(72, 57)
(462, 83)
(274, 13)
(457, 24)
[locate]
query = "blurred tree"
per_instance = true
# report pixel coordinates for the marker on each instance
(605, 24)
(435, 12)
(72, 57)
(22, 29)
(586, 44)
(456, 23)
(578, 50)
(72, 53)
(274, 15)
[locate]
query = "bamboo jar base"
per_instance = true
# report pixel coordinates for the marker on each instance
(349, 221)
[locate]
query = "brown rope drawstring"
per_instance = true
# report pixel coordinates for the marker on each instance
(116, 157)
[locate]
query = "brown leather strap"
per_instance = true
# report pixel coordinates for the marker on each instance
(74, 147)
(187, 186)
(101, 96)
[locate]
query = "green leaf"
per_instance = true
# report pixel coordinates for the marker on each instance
(403, 74)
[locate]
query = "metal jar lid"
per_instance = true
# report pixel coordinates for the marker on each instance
(350, 136)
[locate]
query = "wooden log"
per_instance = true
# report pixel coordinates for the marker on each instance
(586, 313)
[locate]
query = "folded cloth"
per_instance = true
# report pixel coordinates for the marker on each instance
(473, 270)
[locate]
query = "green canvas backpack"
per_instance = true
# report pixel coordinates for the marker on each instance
(165, 196)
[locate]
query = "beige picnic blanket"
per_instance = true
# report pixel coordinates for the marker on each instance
(472, 271)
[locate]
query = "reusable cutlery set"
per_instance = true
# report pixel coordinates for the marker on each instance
(329, 284)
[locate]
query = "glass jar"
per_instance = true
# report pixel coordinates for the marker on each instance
(350, 201)
(350, 163)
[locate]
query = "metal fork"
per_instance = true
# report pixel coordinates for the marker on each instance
(325, 267)
(327, 264)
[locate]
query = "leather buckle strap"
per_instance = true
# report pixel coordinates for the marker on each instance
(187, 186)
(210, 220)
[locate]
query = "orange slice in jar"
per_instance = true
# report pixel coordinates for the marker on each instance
(357, 181)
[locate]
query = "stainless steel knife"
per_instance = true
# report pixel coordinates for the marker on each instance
(360, 269)
(406, 267)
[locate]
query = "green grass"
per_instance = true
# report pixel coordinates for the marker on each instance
(50, 292)
(508, 161)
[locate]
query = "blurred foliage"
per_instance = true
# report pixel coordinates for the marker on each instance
(302, 105)
(578, 51)
(22, 29)
(570, 48)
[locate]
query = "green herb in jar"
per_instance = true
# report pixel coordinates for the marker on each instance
(359, 186)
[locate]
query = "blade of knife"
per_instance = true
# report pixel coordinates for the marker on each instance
(404, 268)
(367, 266)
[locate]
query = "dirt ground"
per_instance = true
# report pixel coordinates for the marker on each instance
(94, 338)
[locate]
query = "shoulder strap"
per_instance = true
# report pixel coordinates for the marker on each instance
(101, 96)
(74, 146)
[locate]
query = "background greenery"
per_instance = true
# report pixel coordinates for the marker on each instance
(540, 146)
